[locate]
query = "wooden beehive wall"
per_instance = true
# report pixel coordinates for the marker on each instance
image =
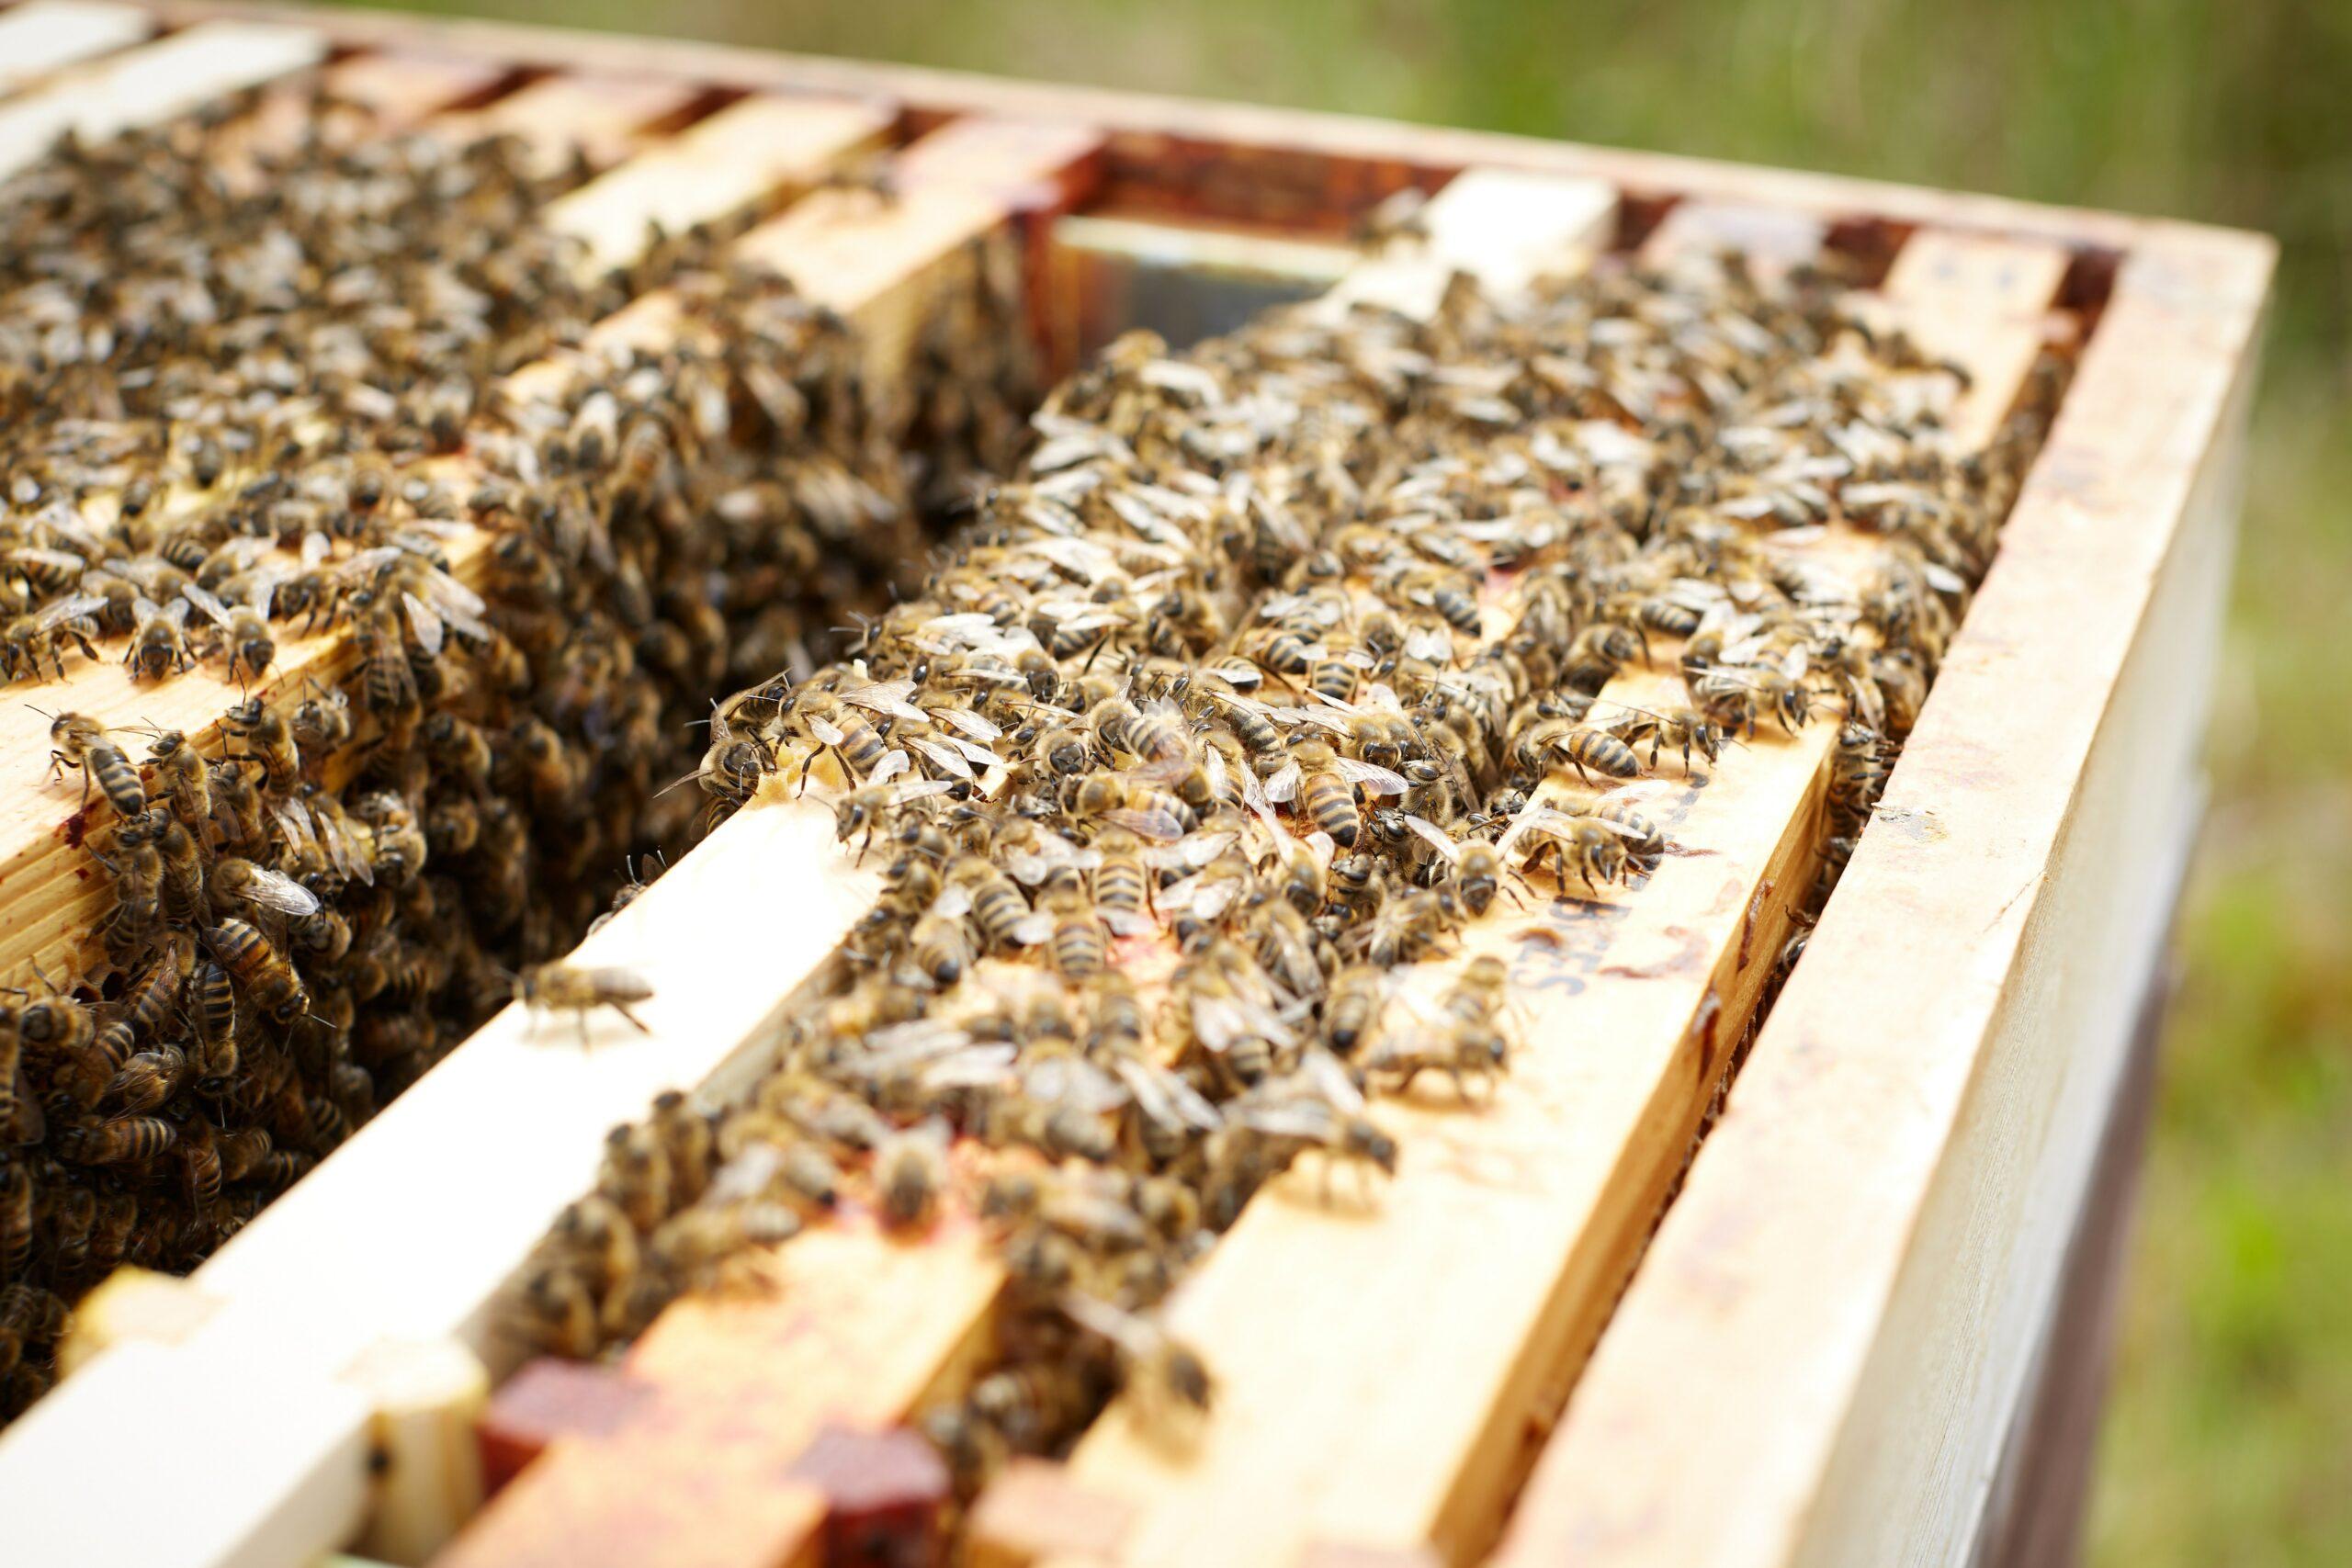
(1857, 1264)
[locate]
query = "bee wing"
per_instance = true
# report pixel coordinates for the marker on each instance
(1306, 1117)
(72, 607)
(946, 757)
(1157, 826)
(456, 604)
(887, 696)
(1795, 663)
(316, 548)
(824, 731)
(64, 561)
(1164, 1097)
(274, 890)
(295, 823)
(427, 624)
(614, 984)
(974, 751)
(1103, 1320)
(915, 1041)
(1322, 1069)
(975, 1066)
(1032, 930)
(1379, 780)
(894, 762)
(1072, 1081)
(1435, 836)
(1284, 785)
(913, 789)
(1125, 922)
(952, 904)
(1533, 818)
(970, 723)
(1606, 825)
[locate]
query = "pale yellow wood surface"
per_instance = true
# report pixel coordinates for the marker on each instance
(1503, 228)
(709, 172)
(608, 118)
(151, 83)
(1771, 239)
(425, 1399)
(1981, 302)
(409, 1232)
(1770, 1283)
(43, 36)
(859, 1329)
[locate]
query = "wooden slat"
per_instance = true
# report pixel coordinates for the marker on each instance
(409, 1232)
(152, 83)
(1378, 1367)
(1983, 302)
(710, 172)
(48, 35)
(1762, 1279)
(54, 898)
(540, 1518)
(858, 1331)
(1772, 239)
(608, 118)
(399, 90)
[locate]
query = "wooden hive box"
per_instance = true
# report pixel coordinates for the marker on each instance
(1857, 1326)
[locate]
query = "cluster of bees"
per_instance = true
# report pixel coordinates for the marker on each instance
(1276, 668)
(250, 389)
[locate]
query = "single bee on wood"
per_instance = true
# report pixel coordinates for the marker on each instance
(565, 988)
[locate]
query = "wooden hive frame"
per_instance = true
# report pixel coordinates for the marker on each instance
(1823, 1350)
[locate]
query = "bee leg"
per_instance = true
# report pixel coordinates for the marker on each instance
(622, 1009)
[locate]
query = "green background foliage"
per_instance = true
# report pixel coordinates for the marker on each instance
(2229, 1436)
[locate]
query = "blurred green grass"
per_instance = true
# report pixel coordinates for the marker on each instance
(2229, 1436)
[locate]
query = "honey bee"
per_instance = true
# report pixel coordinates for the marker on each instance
(1324, 784)
(16, 1216)
(1597, 654)
(242, 630)
(242, 814)
(1686, 728)
(265, 973)
(236, 880)
(1585, 748)
(158, 641)
(1167, 1379)
(942, 948)
(1076, 938)
(271, 743)
(82, 743)
(181, 773)
(1464, 1042)
(563, 987)
(1351, 1016)
(1479, 869)
(995, 903)
(1594, 847)
(28, 640)
(555, 1312)
(137, 867)
(121, 1140)
(910, 1174)
(146, 1080)
(1408, 926)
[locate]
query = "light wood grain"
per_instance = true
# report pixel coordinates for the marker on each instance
(606, 117)
(409, 1232)
(859, 1329)
(152, 83)
(746, 153)
(1771, 239)
(48, 35)
(1866, 1239)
